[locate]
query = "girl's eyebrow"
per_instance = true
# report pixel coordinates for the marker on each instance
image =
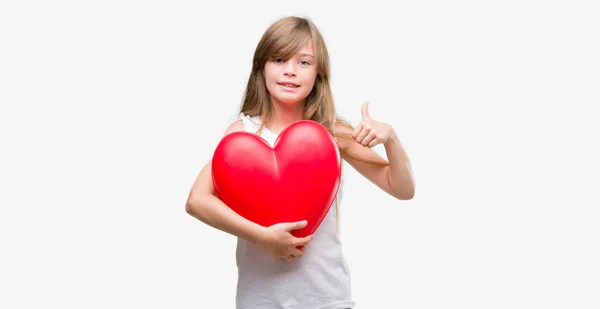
(309, 55)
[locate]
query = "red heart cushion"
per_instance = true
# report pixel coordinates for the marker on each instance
(295, 180)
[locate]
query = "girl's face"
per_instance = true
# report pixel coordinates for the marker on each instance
(291, 81)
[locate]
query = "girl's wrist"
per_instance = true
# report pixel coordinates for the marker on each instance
(259, 236)
(392, 139)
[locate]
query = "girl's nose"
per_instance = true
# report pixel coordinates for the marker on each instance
(290, 69)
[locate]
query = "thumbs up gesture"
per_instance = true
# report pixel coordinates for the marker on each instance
(369, 132)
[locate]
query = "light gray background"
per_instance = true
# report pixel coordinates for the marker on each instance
(111, 108)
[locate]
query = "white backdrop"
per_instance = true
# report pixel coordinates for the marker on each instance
(110, 109)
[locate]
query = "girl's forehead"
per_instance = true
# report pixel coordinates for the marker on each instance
(307, 49)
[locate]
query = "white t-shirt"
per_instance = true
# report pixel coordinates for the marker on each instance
(317, 280)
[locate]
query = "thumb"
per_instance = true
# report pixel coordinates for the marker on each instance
(365, 110)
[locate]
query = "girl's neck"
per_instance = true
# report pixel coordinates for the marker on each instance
(285, 115)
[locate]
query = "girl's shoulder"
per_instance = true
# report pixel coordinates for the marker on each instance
(249, 122)
(234, 124)
(241, 122)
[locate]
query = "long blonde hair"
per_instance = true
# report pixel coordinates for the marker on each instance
(282, 40)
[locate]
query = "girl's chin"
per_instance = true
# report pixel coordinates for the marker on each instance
(289, 101)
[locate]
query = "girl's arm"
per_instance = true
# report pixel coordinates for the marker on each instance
(394, 178)
(204, 205)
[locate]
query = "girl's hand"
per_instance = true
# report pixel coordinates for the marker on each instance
(370, 132)
(278, 240)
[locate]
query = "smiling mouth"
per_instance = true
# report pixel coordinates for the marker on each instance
(288, 85)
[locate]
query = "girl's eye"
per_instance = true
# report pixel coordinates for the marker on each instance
(304, 62)
(278, 60)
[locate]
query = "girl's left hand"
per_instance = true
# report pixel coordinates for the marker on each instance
(369, 132)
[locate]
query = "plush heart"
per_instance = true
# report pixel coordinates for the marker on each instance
(296, 179)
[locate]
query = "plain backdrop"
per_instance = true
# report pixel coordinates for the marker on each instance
(109, 109)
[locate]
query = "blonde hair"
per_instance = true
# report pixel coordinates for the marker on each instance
(280, 41)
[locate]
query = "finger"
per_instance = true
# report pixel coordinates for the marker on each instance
(357, 130)
(364, 109)
(368, 139)
(296, 225)
(295, 252)
(374, 142)
(302, 241)
(361, 136)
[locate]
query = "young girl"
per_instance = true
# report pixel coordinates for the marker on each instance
(290, 82)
